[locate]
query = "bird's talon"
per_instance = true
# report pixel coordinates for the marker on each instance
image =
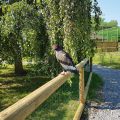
(63, 73)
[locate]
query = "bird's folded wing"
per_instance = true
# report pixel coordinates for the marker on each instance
(64, 58)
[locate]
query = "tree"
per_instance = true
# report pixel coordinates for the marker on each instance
(113, 23)
(20, 27)
(69, 24)
(105, 25)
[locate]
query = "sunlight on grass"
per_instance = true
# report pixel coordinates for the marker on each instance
(14, 88)
(6, 71)
(110, 59)
(62, 105)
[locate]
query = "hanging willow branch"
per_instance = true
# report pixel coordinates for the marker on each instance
(97, 12)
(69, 24)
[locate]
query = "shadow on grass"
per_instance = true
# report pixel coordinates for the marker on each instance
(14, 88)
(62, 105)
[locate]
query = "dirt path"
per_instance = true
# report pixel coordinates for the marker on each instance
(110, 108)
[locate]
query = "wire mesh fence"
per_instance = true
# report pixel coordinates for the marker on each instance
(110, 34)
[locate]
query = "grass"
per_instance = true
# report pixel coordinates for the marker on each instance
(95, 87)
(109, 59)
(62, 105)
(14, 88)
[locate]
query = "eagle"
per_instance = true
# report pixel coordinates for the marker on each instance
(64, 59)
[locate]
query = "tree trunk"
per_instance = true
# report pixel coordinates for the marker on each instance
(18, 65)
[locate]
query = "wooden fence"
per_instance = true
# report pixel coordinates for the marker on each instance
(107, 46)
(24, 107)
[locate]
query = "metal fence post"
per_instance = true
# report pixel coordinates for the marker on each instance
(90, 64)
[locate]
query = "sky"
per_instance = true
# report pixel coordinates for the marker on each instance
(110, 9)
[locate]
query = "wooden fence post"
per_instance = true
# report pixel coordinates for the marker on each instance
(81, 85)
(83, 90)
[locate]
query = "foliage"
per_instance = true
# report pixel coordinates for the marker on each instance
(105, 25)
(45, 67)
(16, 27)
(22, 30)
(69, 24)
(97, 12)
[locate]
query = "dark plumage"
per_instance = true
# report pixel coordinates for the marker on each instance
(64, 59)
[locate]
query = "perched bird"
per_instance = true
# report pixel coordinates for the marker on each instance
(64, 59)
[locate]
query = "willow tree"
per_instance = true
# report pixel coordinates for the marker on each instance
(22, 29)
(69, 24)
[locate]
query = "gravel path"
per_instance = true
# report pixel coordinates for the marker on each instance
(110, 108)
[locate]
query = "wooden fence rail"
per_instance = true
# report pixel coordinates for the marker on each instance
(83, 90)
(24, 107)
(107, 46)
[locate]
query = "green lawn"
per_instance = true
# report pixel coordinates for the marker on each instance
(95, 87)
(109, 59)
(62, 105)
(13, 88)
